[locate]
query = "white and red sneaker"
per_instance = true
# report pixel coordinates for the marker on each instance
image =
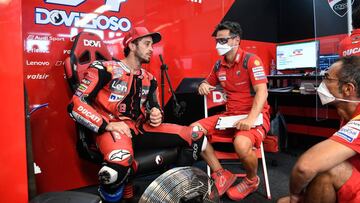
(223, 180)
(243, 189)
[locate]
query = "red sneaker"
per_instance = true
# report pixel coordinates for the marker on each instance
(243, 189)
(223, 180)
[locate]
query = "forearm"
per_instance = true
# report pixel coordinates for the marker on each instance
(86, 115)
(258, 104)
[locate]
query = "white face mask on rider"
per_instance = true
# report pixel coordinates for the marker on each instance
(326, 97)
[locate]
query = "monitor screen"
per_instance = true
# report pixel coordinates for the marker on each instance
(297, 55)
(325, 61)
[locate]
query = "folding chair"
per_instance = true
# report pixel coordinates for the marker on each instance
(217, 98)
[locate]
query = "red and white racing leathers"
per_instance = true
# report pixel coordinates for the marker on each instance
(110, 92)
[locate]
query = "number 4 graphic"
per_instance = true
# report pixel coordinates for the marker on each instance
(113, 5)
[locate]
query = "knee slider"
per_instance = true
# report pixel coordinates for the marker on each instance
(199, 142)
(113, 175)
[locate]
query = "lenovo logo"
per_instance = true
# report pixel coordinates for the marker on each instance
(37, 63)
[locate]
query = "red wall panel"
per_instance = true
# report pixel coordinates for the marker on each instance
(13, 177)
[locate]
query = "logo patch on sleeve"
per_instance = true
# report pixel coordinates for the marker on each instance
(82, 88)
(257, 63)
(354, 124)
(259, 74)
(78, 93)
(115, 97)
(258, 69)
(347, 133)
(222, 76)
(86, 81)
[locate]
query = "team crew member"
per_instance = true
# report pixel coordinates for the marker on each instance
(118, 100)
(330, 170)
(350, 45)
(243, 79)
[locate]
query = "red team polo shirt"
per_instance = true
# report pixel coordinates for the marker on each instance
(350, 45)
(348, 135)
(238, 81)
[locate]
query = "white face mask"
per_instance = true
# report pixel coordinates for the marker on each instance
(324, 94)
(222, 49)
(326, 97)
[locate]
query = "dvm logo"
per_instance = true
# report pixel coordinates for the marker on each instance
(91, 43)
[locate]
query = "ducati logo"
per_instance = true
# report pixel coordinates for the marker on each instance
(339, 6)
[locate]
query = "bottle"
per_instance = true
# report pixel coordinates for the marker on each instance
(273, 70)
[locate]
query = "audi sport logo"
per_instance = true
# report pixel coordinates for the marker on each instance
(339, 6)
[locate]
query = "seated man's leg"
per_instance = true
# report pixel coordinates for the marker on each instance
(223, 178)
(172, 135)
(118, 159)
(208, 154)
(342, 178)
(340, 184)
(244, 142)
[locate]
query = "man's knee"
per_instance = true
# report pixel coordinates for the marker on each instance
(114, 174)
(243, 146)
(328, 183)
(321, 179)
(200, 127)
(110, 173)
(321, 189)
(340, 174)
(199, 141)
(112, 178)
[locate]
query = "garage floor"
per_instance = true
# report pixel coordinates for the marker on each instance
(279, 167)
